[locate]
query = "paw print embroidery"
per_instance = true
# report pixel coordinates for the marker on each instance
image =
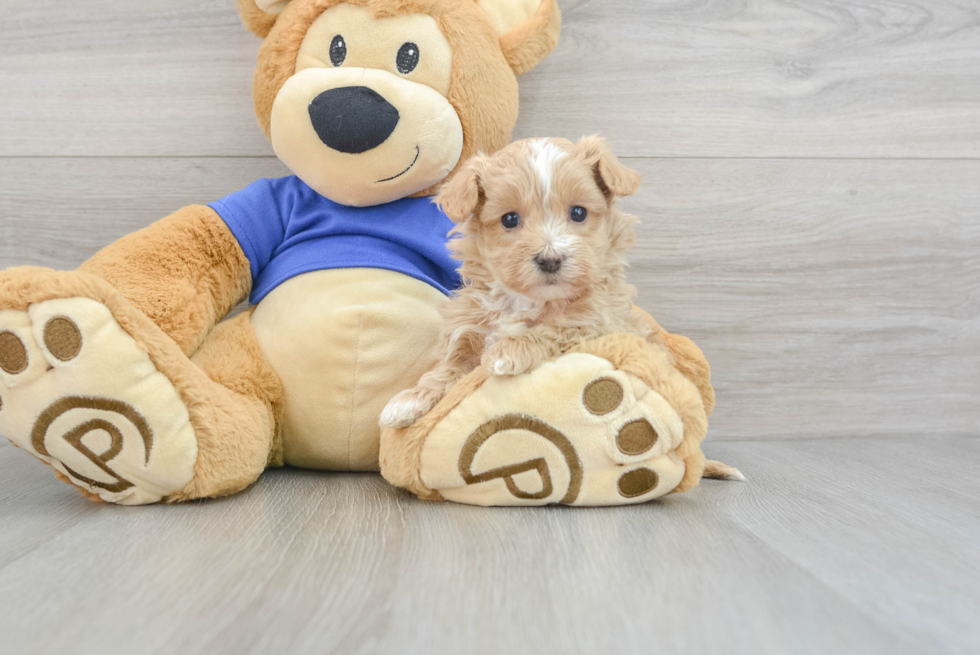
(575, 431)
(634, 439)
(80, 394)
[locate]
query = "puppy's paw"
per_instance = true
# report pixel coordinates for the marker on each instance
(576, 431)
(504, 366)
(406, 408)
(501, 360)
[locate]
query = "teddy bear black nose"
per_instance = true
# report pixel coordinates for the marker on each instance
(352, 119)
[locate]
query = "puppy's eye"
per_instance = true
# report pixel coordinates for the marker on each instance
(408, 58)
(578, 214)
(510, 220)
(338, 50)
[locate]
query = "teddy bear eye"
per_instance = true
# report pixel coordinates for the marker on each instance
(338, 50)
(510, 220)
(408, 58)
(578, 214)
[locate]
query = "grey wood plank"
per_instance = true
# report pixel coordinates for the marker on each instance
(771, 78)
(817, 553)
(833, 298)
(111, 77)
(427, 578)
(58, 212)
(23, 490)
(856, 513)
(662, 78)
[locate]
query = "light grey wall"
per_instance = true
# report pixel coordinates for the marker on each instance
(811, 204)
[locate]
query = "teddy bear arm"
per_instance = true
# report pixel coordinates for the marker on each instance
(185, 272)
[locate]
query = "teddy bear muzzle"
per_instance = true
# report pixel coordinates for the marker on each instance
(363, 136)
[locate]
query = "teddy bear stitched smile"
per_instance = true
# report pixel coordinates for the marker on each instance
(371, 104)
(366, 119)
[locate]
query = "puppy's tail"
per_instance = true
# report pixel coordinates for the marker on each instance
(718, 471)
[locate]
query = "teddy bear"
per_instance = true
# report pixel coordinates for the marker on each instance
(128, 379)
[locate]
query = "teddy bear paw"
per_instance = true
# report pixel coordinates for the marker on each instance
(79, 393)
(575, 431)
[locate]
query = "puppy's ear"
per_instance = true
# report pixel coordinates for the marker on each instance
(613, 178)
(528, 30)
(260, 15)
(462, 196)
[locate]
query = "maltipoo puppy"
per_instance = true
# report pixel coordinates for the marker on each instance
(543, 250)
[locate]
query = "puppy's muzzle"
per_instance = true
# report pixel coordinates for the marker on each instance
(352, 119)
(549, 263)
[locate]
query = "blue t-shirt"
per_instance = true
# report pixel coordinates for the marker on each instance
(286, 229)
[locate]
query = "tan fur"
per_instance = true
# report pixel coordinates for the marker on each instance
(185, 272)
(598, 300)
(170, 284)
(688, 358)
(231, 356)
(527, 44)
(656, 370)
(483, 88)
(719, 471)
(401, 448)
(234, 432)
(509, 315)
(692, 364)
(256, 21)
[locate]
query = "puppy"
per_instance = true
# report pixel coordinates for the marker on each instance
(542, 246)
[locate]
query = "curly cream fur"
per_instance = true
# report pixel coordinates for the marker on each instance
(510, 315)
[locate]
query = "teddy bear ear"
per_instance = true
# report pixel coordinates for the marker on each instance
(528, 29)
(260, 15)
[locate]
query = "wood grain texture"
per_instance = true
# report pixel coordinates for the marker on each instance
(811, 217)
(776, 78)
(831, 547)
(828, 78)
(833, 298)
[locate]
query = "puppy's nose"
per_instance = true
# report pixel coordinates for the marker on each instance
(352, 119)
(548, 263)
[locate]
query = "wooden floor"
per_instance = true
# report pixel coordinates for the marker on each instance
(811, 217)
(833, 546)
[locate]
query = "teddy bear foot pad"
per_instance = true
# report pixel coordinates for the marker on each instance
(614, 446)
(80, 394)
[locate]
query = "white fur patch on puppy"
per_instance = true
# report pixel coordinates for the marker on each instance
(544, 156)
(405, 409)
(399, 414)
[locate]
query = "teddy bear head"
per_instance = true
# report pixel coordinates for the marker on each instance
(369, 101)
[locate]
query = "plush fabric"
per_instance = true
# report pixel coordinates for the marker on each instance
(422, 148)
(125, 377)
(185, 272)
(286, 229)
(506, 15)
(234, 431)
(530, 41)
(483, 86)
(370, 334)
(611, 423)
